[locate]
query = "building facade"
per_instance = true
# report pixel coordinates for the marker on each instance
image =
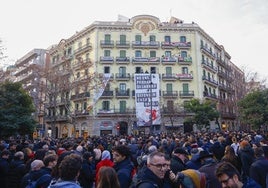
(93, 77)
(29, 70)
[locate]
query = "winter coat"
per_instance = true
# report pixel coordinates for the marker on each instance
(176, 164)
(105, 162)
(148, 179)
(259, 170)
(246, 156)
(16, 172)
(87, 175)
(124, 172)
(4, 168)
(65, 184)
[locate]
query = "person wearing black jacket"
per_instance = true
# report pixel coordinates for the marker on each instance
(87, 172)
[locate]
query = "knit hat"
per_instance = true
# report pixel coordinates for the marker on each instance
(191, 177)
(79, 148)
(105, 155)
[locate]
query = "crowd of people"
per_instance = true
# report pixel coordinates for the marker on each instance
(178, 160)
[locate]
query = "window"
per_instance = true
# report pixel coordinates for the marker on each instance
(152, 38)
(78, 75)
(106, 70)
(169, 88)
(169, 70)
(170, 105)
(138, 38)
(138, 70)
(107, 38)
(184, 70)
(106, 105)
(153, 70)
(204, 73)
(152, 53)
(86, 72)
(88, 40)
(69, 51)
(76, 106)
(122, 53)
(137, 53)
(84, 105)
(167, 53)
(185, 88)
(183, 54)
(123, 106)
(79, 45)
(182, 39)
(107, 53)
(167, 39)
(107, 87)
(123, 39)
(122, 87)
(122, 71)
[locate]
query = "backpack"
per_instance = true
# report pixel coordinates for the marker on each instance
(35, 183)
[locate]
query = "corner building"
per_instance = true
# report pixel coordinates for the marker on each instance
(92, 78)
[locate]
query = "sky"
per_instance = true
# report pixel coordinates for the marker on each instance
(241, 26)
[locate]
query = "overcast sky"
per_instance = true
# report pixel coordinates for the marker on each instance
(241, 26)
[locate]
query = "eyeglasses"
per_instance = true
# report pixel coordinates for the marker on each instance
(225, 181)
(159, 166)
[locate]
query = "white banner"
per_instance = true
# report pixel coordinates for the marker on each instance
(147, 99)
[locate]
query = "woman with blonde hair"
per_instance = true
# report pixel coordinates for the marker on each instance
(108, 178)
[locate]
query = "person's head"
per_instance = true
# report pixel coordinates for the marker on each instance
(37, 165)
(108, 178)
(50, 160)
(88, 156)
(181, 153)
(5, 154)
(120, 153)
(69, 167)
(157, 163)
(228, 175)
(19, 155)
(105, 155)
(229, 150)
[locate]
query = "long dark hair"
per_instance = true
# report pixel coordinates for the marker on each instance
(108, 178)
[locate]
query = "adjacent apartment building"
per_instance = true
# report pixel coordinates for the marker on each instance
(134, 75)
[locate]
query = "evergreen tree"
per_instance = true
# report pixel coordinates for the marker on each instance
(16, 108)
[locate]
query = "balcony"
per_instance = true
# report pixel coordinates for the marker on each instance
(106, 76)
(222, 74)
(122, 93)
(172, 45)
(170, 94)
(169, 77)
(83, 49)
(145, 44)
(148, 60)
(210, 81)
(184, 77)
(122, 60)
(185, 60)
(122, 77)
(80, 96)
(207, 65)
(168, 60)
(221, 62)
(229, 115)
(107, 44)
(208, 52)
(186, 94)
(107, 94)
(208, 95)
(122, 44)
(222, 87)
(80, 113)
(82, 63)
(106, 60)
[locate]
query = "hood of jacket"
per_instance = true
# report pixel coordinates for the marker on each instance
(63, 184)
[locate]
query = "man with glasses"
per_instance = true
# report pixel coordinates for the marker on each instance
(229, 177)
(152, 175)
